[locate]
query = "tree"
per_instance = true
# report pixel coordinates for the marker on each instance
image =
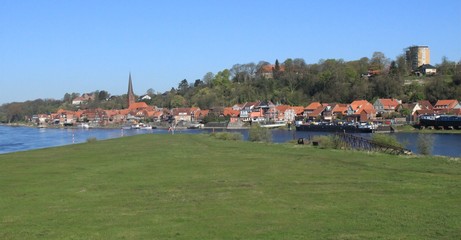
(208, 78)
(402, 66)
(457, 74)
(150, 92)
(183, 87)
(447, 67)
(378, 61)
(198, 83)
(103, 95)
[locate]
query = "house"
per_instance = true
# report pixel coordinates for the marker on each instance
(64, 117)
(253, 112)
(339, 110)
(412, 109)
(426, 69)
(83, 99)
(267, 70)
(201, 114)
(311, 108)
(361, 111)
(232, 113)
(184, 114)
(424, 104)
(317, 114)
(281, 109)
(446, 106)
(386, 105)
(138, 106)
(289, 113)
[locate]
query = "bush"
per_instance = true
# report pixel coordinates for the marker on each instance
(425, 142)
(259, 134)
(330, 141)
(227, 136)
(386, 139)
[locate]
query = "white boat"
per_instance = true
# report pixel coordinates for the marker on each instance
(276, 124)
(145, 126)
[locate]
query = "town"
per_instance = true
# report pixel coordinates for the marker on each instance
(229, 99)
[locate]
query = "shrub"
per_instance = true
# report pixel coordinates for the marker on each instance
(425, 142)
(227, 136)
(329, 141)
(386, 140)
(259, 134)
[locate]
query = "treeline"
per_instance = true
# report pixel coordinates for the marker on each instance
(292, 82)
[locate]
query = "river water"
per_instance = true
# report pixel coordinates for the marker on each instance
(13, 139)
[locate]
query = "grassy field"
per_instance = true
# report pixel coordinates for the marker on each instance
(197, 187)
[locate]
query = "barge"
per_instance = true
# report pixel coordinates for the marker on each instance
(440, 121)
(337, 128)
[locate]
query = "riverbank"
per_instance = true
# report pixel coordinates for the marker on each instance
(162, 186)
(412, 129)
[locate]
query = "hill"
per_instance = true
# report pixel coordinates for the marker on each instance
(197, 187)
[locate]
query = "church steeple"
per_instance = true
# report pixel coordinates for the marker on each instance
(130, 94)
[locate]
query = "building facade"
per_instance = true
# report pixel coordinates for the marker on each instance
(417, 56)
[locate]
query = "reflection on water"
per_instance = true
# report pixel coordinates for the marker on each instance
(14, 139)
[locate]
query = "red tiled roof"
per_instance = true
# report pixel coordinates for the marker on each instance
(340, 108)
(298, 110)
(313, 106)
(228, 111)
(269, 68)
(317, 111)
(389, 103)
(445, 104)
(282, 108)
(138, 105)
(359, 105)
(425, 104)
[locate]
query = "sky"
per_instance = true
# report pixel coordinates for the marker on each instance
(52, 47)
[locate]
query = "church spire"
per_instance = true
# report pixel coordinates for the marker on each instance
(130, 94)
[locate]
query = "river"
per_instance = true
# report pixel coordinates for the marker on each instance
(13, 139)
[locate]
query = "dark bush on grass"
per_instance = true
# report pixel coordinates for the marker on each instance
(386, 140)
(425, 142)
(228, 136)
(330, 141)
(259, 134)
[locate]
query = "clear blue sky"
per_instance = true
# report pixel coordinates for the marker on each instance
(49, 48)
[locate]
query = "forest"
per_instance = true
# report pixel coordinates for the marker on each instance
(293, 82)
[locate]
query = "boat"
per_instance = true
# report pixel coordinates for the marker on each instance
(348, 128)
(275, 124)
(195, 126)
(440, 121)
(146, 126)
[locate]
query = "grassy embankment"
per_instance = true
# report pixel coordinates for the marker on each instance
(411, 129)
(196, 187)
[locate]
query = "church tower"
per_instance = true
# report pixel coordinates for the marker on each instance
(130, 95)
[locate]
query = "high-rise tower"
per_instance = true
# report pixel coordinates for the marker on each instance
(130, 95)
(417, 56)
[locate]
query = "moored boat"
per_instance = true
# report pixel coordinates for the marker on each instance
(440, 121)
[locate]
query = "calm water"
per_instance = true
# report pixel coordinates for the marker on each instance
(13, 139)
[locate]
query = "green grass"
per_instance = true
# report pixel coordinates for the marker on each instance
(411, 129)
(197, 187)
